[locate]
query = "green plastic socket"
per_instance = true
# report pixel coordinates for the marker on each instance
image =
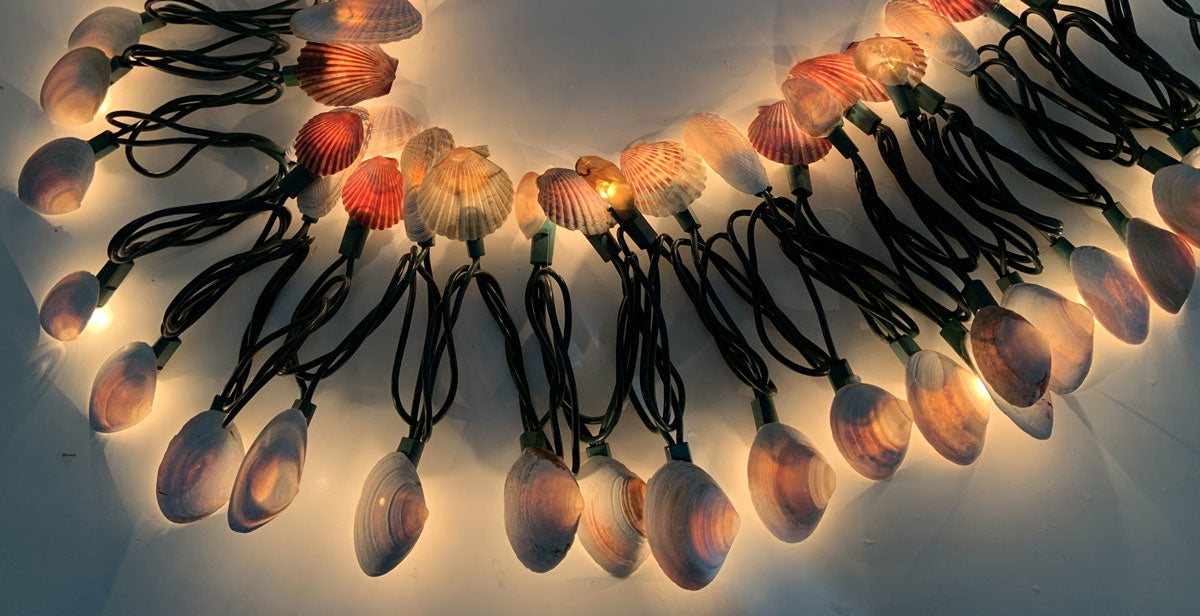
(296, 180)
(534, 439)
(605, 246)
(764, 410)
(1063, 248)
(354, 240)
(930, 100)
(687, 221)
(1002, 16)
(412, 449)
(904, 99)
(307, 408)
(541, 248)
(955, 334)
(111, 276)
(1008, 281)
(678, 451)
(164, 349)
(800, 180)
(636, 227)
(905, 347)
(103, 144)
(599, 449)
(863, 118)
(1118, 219)
(1185, 141)
(842, 143)
(978, 296)
(1155, 160)
(841, 375)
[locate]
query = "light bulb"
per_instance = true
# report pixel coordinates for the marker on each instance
(69, 305)
(690, 524)
(871, 428)
(390, 515)
(1010, 354)
(950, 406)
(542, 506)
(198, 469)
(269, 477)
(814, 109)
(57, 176)
(608, 181)
(790, 482)
(612, 526)
(885, 59)
(344, 75)
(101, 319)
(1068, 326)
(123, 391)
(76, 86)
(727, 150)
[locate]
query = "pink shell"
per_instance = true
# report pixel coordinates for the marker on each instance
(836, 71)
(775, 135)
(571, 203)
(374, 193)
(875, 93)
(962, 10)
(340, 75)
(331, 141)
(666, 177)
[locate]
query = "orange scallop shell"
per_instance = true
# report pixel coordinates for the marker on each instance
(331, 141)
(836, 71)
(571, 203)
(875, 92)
(774, 134)
(962, 10)
(374, 193)
(340, 75)
(666, 177)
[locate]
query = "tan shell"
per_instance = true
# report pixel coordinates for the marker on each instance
(875, 92)
(123, 392)
(332, 141)
(1010, 354)
(69, 305)
(950, 406)
(690, 524)
(342, 75)
(837, 74)
(774, 134)
(76, 86)
(1163, 261)
(814, 110)
(612, 528)
(962, 10)
(542, 505)
(934, 33)
(269, 477)
(889, 60)
(1177, 197)
(424, 149)
(57, 176)
(465, 197)
(871, 428)
(112, 29)
(791, 483)
(530, 216)
(571, 203)
(391, 128)
(358, 22)
(1068, 326)
(374, 193)
(319, 198)
(727, 151)
(197, 471)
(666, 177)
(390, 515)
(1110, 288)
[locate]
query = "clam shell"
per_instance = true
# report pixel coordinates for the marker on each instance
(391, 128)
(319, 198)
(1164, 263)
(950, 406)
(358, 22)
(571, 203)
(1111, 290)
(1037, 420)
(269, 477)
(814, 110)
(1011, 355)
(69, 305)
(666, 177)
(962, 10)
(390, 515)
(331, 141)
(342, 75)
(837, 73)
(727, 151)
(934, 33)
(530, 216)
(197, 471)
(871, 428)
(1068, 326)
(790, 482)
(874, 57)
(57, 176)
(542, 505)
(612, 528)
(76, 86)
(774, 134)
(1177, 198)
(374, 193)
(123, 392)
(112, 30)
(465, 196)
(690, 524)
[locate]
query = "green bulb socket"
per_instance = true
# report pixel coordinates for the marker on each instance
(476, 249)
(978, 296)
(841, 375)
(905, 347)
(1007, 281)
(1002, 16)
(599, 449)
(842, 143)
(636, 227)
(412, 449)
(150, 24)
(541, 248)
(296, 181)
(904, 99)
(1118, 219)
(308, 409)
(687, 221)
(118, 68)
(1063, 248)
(103, 144)
(800, 181)
(928, 99)
(955, 334)
(678, 451)
(1185, 141)
(164, 349)
(1155, 160)
(605, 246)
(354, 240)
(534, 439)
(110, 277)
(763, 406)
(863, 118)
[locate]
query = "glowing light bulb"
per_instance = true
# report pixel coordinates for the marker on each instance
(887, 60)
(1011, 355)
(104, 105)
(101, 319)
(1111, 289)
(815, 110)
(542, 506)
(608, 181)
(76, 86)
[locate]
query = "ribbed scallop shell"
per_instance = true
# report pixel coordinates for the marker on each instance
(816, 112)
(424, 149)
(871, 428)
(1164, 263)
(331, 141)
(961, 10)
(374, 193)
(390, 516)
(123, 392)
(358, 22)
(69, 305)
(197, 471)
(790, 482)
(774, 134)
(342, 75)
(612, 528)
(391, 128)
(571, 203)
(690, 524)
(1110, 288)
(319, 198)
(1177, 198)
(934, 33)
(837, 73)
(727, 151)
(75, 87)
(465, 197)
(269, 477)
(1011, 355)
(530, 216)
(112, 29)
(542, 505)
(666, 177)
(916, 68)
(57, 176)
(949, 404)
(1068, 326)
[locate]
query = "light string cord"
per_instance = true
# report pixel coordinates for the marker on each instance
(1184, 8)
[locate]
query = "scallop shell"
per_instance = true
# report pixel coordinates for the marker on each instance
(1068, 326)
(76, 86)
(123, 392)
(934, 33)
(1164, 263)
(1111, 290)
(871, 428)
(390, 516)
(391, 128)
(542, 505)
(358, 22)
(962, 10)
(1011, 355)
(814, 110)
(269, 477)
(197, 471)
(837, 74)
(790, 482)
(571, 203)
(530, 216)
(465, 196)
(1177, 198)
(319, 198)
(868, 58)
(949, 404)
(69, 305)
(690, 524)
(666, 177)
(424, 149)
(612, 528)
(57, 176)
(727, 151)
(111, 29)
(374, 193)
(774, 134)
(331, 141)
(341, 75)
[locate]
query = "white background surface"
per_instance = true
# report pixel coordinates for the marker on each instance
(1100, 519)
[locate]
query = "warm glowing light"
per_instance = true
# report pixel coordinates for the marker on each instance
(885, 59)
(104, 105)
(101, 319)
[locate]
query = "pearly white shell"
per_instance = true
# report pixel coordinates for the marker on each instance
(950, 406)
(690, 524)
(390, 516)
(1163, 262)
(814, 109)
(198, 469)
(75, 87)
(269, 477)
(1010, 355)
(112, 29)
(666, 177)
(934, 33)
(1068, 326)
(530, 216)
(324, 194)
(358, 22)
(871, 428)
(571, 203)
(542, 505)
(57, 176)
(1177, 197)
(775, 135)
(1111, 290)
(1036, 420)
(391, 128)
(790, 482)
(727, 151)
(123, 392)
(612, 528)
(69, 305)
(465, 197)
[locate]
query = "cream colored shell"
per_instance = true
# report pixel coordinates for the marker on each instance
(727, 151)
(790, 482)
(358, 22)
(465, 197)
(123, 391)
(934, 33)
(198, 468)
(612, 527)
(390, 515)
(76, 86)
(950, 406)
(112, 29)
(1069, 327)
(666, 177)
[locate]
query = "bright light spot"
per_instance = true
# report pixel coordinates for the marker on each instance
(607, 189)
(103, 107)
(101, 319)
(382, 501)
(981, 389)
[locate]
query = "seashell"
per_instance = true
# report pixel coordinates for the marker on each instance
(1164, 263)
(374, 193)
(197, 471)
(1036, 420)
(571, 203)
(324, 194)
(57, 176)
(530, 216)
(612, 528)
(391, 128)
(1068, 326)
(112, 30)
(542, 505)
(774, 134)
(1177, 198)
(123, 392)
(950, 406)
(666, 177)
(269, 477)
(934, 33)
(390, 516)
(962, 10)
(890, 60)
(871, 428)
(76, 86)
(342, 75)
(331, 141)
(690, 524)
(1111, 290)
(1011, 355)
(837, 74)
(421, 152)
(814, 110)
(727, 151)
(358, 22)
(790, 482)
(69, 305)
(465, 196)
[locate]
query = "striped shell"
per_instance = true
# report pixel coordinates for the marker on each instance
(358, 22)
(424, 149)
(934, 33)
(950, 406)
(871, 428)
(123, 392)
(814, 110)
(391, 128)
(76, 86)
(374, 193)
(666, 177)
(962, 10)
(1163, 261)
(319, 198)
(465, 196)
(332, 141)
(611, 528)
(790, 482)
(1110, 288)
(111, 29)
(57, 176)
(69, 305)
(890, 60)
(197, 471)
(727, 151)
(571, 203)
(1068, 326)
(1011, 355)
(342, 75)
(542, 506)
(837, 73)
(774, 134)
(530, 216)
(390, 515)
(1177, 197)
(690, 524)
(269, 477)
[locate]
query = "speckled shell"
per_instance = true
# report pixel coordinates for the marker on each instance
(1164, 263)
(690, 524)
(934, 33)
(324, 194)
(332, 141)
(867, 54)
(269, 477)
(962, 10)
(542, 505)
(1010, 354)
(197, 471)
(391, 128)
(390, 516)
(666, 177)
(790, 482)
(1110, 288)
(374, 193)
(112, 29)
(424, 149)
(837, 73)
(950, 406)
(571, 203)
(774, 134)
(727, 151)
(57, 176)
(465, 197)
(358, 22)
(76, 86)
(341, 75)
(530, 216)
(123, 392)
(612, 528)
(1068, 326)
(1177, 198)
(814, 110)
(69, 305)
(871, 428)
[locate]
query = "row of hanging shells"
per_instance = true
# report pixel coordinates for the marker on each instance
(358, 22)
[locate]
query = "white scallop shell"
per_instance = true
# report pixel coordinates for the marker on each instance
(727, 151)
(123, 392)
(530, 216)
(1177, 198)
(1010, 355)
(465, 196)
(390, 516)
(69, 305)
(112, 29)
(611, 528)
(1163, 261)
(666, 177)
(1068, 326)
(791, 483)
(542, 505)
(358, 22)
(871, 429)
(76, 86)
(950, 406)
(391, 129)
(934, 33)
(197, 471)
(319, 198)
(690, 524)
(269, 477)
(815, 110)
(57, 176)
(571, 202)
(1110, 288)
(774, 134)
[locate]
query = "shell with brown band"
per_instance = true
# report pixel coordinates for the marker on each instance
(690, 524)
(790, 482)
(390, 515)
